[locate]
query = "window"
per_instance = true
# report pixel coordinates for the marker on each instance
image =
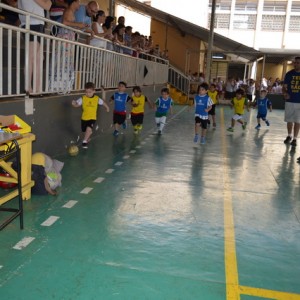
(271, 5)
(244, 21)
(244, 5)
(221, 21)
(221, 4)
(294, 23)
(295, 6)
(272, 23)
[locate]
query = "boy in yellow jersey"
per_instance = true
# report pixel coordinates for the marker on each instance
(138, 109)
(239, 103)
(89, 103)
(214, 96)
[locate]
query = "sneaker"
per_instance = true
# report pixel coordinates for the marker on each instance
(267, 123)
(214, 125)
(230, 129)
(116, 133)
(196, 138)
(159, 132)
(244, 125)
(84, 145)
(257, 127)
(124, 125)
(294, 143)
(202, 142)
(287, 140)
(136, 131)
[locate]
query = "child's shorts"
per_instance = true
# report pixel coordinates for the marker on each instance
(87, 123)
(119, 119)
(261, 116)
(237, 117)
(137, 119)
(203, 122)
(212, 112)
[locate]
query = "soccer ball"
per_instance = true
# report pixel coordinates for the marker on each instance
(73, 150)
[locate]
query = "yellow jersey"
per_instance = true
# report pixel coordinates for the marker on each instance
(89, 107)
(140, 101)
(213, 96)
(239, 105)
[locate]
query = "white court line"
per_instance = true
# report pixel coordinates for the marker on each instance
(86, 190)
(126, 156)
(50, 221)
(23, 243)
(109, 171)
(138, 147)
(118, 163)
(99, 179)
(143, 143)
(1, 267)
(132, 151)
(70, 204)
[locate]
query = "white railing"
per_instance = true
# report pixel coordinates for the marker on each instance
(179, 80)
(68, 64)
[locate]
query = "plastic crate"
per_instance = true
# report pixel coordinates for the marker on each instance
(6, 121)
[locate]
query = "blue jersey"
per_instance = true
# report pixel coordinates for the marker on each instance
(292, 80)
(163, 106)
(201, 104)
(120, 102)
(262, 105)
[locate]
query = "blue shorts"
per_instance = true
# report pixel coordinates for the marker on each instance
(261, 116)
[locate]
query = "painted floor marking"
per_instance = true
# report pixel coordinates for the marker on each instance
(1, 267)
(143, 143)
(126, 156)
(23, 243)
(70, 204)
(99, 179)
(86, 190)
(109, 171)
(119, 163)
(233, 289)
(268, 294)
(132, 151)
(50, 221)
(138, 147)
(231, 269)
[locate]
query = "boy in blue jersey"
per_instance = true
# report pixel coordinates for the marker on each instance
(163, 104)
(120, 98)
(203, 104)
(263, 103)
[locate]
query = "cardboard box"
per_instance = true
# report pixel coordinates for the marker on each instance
(6, 121)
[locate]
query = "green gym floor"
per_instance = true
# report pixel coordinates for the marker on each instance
(158, 217)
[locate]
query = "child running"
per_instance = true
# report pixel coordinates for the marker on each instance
(138, 109)
(263, 103)
(89, 103)
(203, 104)
(239, 103)
(163, 104)
(214, 96)
(120, 98)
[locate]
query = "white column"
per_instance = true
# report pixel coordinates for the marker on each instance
(232, 10)
(287, 23)
(260, 7)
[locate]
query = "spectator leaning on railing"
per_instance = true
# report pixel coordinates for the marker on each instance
(36, 7)
(98, 30)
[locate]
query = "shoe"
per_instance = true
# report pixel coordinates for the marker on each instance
(136, 131)
(202, 142)
(214, 125)
(294, 143)
(116, 133)
(124, 125)
(267, 123)
(84, 145)
(257, 127)
(287, 140)
(159, 132)
(230, 129)
(244, 125)
(196, 138)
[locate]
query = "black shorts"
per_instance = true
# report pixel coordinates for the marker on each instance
(203, 122)
(87, 123)
(212, 112)
(37, 28)
(119, 119)
(137, 119)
